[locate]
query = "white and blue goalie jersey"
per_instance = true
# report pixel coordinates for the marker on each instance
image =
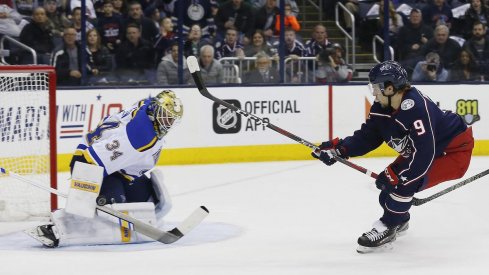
(125, 142)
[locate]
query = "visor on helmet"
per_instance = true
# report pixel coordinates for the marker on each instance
(376, 88)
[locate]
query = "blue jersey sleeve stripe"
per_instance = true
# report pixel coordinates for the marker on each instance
(149, 145)
(134, 113)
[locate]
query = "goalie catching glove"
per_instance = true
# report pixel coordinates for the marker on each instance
(328, 150)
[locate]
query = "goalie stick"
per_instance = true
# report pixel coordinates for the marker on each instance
(166, 237)
(193, 66)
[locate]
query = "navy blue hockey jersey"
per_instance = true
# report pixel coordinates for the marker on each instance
(419, 131)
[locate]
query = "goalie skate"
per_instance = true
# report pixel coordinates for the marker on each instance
(45, 234)
(380, 238)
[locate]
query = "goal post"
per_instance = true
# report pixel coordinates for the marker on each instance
(27, 140)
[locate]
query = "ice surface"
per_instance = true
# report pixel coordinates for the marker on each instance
(297, 217)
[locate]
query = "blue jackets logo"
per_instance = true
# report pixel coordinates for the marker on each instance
(224, 120)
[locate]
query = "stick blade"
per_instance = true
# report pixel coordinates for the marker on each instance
(193, 64)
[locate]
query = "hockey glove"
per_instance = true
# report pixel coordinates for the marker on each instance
(328, 151)
(387, 179)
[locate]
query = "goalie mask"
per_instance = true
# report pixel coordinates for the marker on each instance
(167, 111)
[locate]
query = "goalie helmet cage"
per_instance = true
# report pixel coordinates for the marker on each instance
(27, 140)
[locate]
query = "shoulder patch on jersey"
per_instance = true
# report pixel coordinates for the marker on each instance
(407, 104)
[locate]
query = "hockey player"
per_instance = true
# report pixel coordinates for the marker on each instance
(433, 145)
(122, 148)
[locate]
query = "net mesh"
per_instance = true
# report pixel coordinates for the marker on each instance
(24, 144)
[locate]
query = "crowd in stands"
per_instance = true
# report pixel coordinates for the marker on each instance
(435, 40)
(136, 41)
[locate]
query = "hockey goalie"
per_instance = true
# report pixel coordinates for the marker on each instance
(110, 167)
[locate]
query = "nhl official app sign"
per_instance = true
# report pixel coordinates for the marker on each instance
(224, 120)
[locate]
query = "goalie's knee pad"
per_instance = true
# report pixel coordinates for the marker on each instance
(104, 228)
(162, 198)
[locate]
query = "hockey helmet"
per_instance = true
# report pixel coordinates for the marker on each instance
(388, 72)
(167, 111)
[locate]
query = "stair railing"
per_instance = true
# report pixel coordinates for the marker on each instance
(317, 4)
(374, 48)
(22, 45)
(348, 37)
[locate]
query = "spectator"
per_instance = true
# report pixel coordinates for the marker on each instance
(332, 67)
(293, 47)
(235, 14)
(8, 3)
(194, 41)
(120, 7)
(135, 17)
(67, 60)
(39, 36)
(395, 21)
(200, 13)
(154, 15)
(448, 49)
(100, 58)
(57, 20)
(465, 68)
(11, 22)
(263, 71)
(431, 69)
(265, 18)
(353, 7)
(437, 13)
(211, 70)
(90, 9)
(25, 7)
(478, 46)
(293, 4)
(411, 39)
(230, 47)
(167, 72)
(135, 57)
(165, 38)
(477, 12)
(319, 41)
(290, 21)
(110, 26)
(76, 19)
(258, 44)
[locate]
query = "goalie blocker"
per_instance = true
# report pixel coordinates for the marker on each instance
(78, 228)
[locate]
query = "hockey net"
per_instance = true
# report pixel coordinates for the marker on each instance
(27, 140)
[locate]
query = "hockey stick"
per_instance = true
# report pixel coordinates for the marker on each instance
(166, 237)
(450, 189)
(193, 66)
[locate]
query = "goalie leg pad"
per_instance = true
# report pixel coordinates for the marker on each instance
(162, 197)
(103, 228)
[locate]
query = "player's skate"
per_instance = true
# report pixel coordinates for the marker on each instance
(379, 238)
(46, 234)
(402, 228)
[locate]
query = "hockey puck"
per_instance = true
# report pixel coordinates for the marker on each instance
(101, 200)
